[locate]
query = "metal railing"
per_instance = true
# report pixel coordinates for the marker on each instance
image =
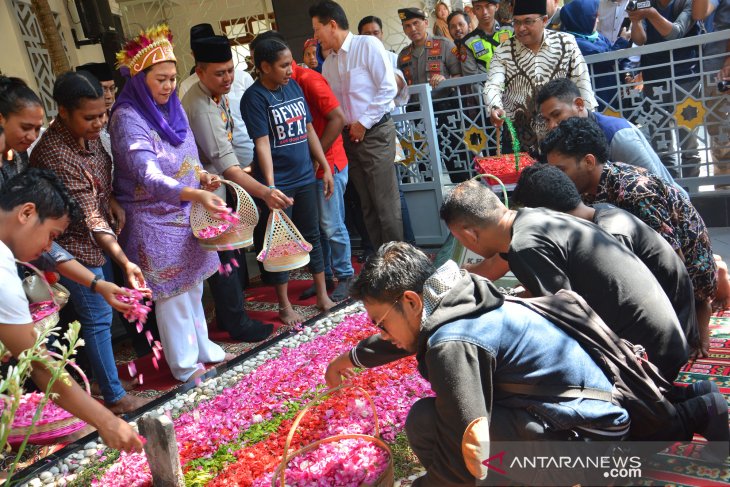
(681, 113)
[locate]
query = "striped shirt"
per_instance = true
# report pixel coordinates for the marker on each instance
(87, 174)
(516, 74)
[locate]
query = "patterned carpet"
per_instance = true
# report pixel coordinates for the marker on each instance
(680, 467)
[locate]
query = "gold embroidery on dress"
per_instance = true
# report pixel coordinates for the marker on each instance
(189, 165)
(185, 168)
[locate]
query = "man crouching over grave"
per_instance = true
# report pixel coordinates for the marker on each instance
(470, 343)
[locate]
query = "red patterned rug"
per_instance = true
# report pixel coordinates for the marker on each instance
(682, 467)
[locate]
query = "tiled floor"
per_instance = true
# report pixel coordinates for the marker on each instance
(720, 238)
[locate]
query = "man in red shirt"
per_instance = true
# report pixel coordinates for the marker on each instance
(328, 120)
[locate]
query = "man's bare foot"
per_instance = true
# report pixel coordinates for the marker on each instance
(290, 317)
(127, 385)
(703, 351)
(722, 295)
(127, 404)
(325, 303)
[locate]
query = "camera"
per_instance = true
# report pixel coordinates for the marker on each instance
(641, 5)
(723, 86)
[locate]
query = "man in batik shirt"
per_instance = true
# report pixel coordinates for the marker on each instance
(524, 64)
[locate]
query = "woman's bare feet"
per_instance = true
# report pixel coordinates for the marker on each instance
(288, 316)
(127, 404)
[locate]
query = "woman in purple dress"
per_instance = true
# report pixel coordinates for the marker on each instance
(157, 176)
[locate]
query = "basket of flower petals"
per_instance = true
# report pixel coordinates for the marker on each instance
(284, 247)
(46, 300)
(506, 167)
(230, 228)
(346, 459)
(55, 422)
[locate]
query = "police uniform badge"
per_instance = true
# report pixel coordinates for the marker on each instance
(479, 49)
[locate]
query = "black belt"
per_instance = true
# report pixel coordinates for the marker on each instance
(385, 118)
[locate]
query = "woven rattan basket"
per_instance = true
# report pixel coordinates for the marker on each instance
(385, 479)
(284, 247)
(239, 234)
(48, 431)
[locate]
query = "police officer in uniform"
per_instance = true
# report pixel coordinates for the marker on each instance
(432, 59)
(482, 41)
(427, 59)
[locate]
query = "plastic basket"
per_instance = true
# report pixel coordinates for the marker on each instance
(55, 423)
(284, 247)
(237, 235)
(385, 479)
(507, 167)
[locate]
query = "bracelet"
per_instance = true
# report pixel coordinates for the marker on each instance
(272, 187)
(92, 286)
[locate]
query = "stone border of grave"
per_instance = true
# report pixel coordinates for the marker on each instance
(62, 467)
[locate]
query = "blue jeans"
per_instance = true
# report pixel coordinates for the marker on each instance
(333, 232)
(95, 315)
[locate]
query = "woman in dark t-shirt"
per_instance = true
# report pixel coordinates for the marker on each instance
(278, 121)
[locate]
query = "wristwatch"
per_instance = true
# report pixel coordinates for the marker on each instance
(92, 286)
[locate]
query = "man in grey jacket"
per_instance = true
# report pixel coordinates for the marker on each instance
(482, 354)
(469, 342)
(560, 99)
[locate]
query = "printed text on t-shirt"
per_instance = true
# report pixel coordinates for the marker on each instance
(288, 122)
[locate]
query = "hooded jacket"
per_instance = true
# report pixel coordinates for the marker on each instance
(470, 341)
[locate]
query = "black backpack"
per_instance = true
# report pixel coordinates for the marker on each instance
(639, 388)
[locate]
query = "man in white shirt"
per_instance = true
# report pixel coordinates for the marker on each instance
(35, 208)
(611, 15)
(373, 26)
(362, 79)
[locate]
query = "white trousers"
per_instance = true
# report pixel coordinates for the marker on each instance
(184, 333)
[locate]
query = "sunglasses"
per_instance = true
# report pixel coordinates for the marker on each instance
(379, 324)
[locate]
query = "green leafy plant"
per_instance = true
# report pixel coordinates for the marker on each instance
(11, 386)
(405, 461)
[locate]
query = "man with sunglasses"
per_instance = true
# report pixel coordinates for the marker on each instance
(470, 343)
(523, 64)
